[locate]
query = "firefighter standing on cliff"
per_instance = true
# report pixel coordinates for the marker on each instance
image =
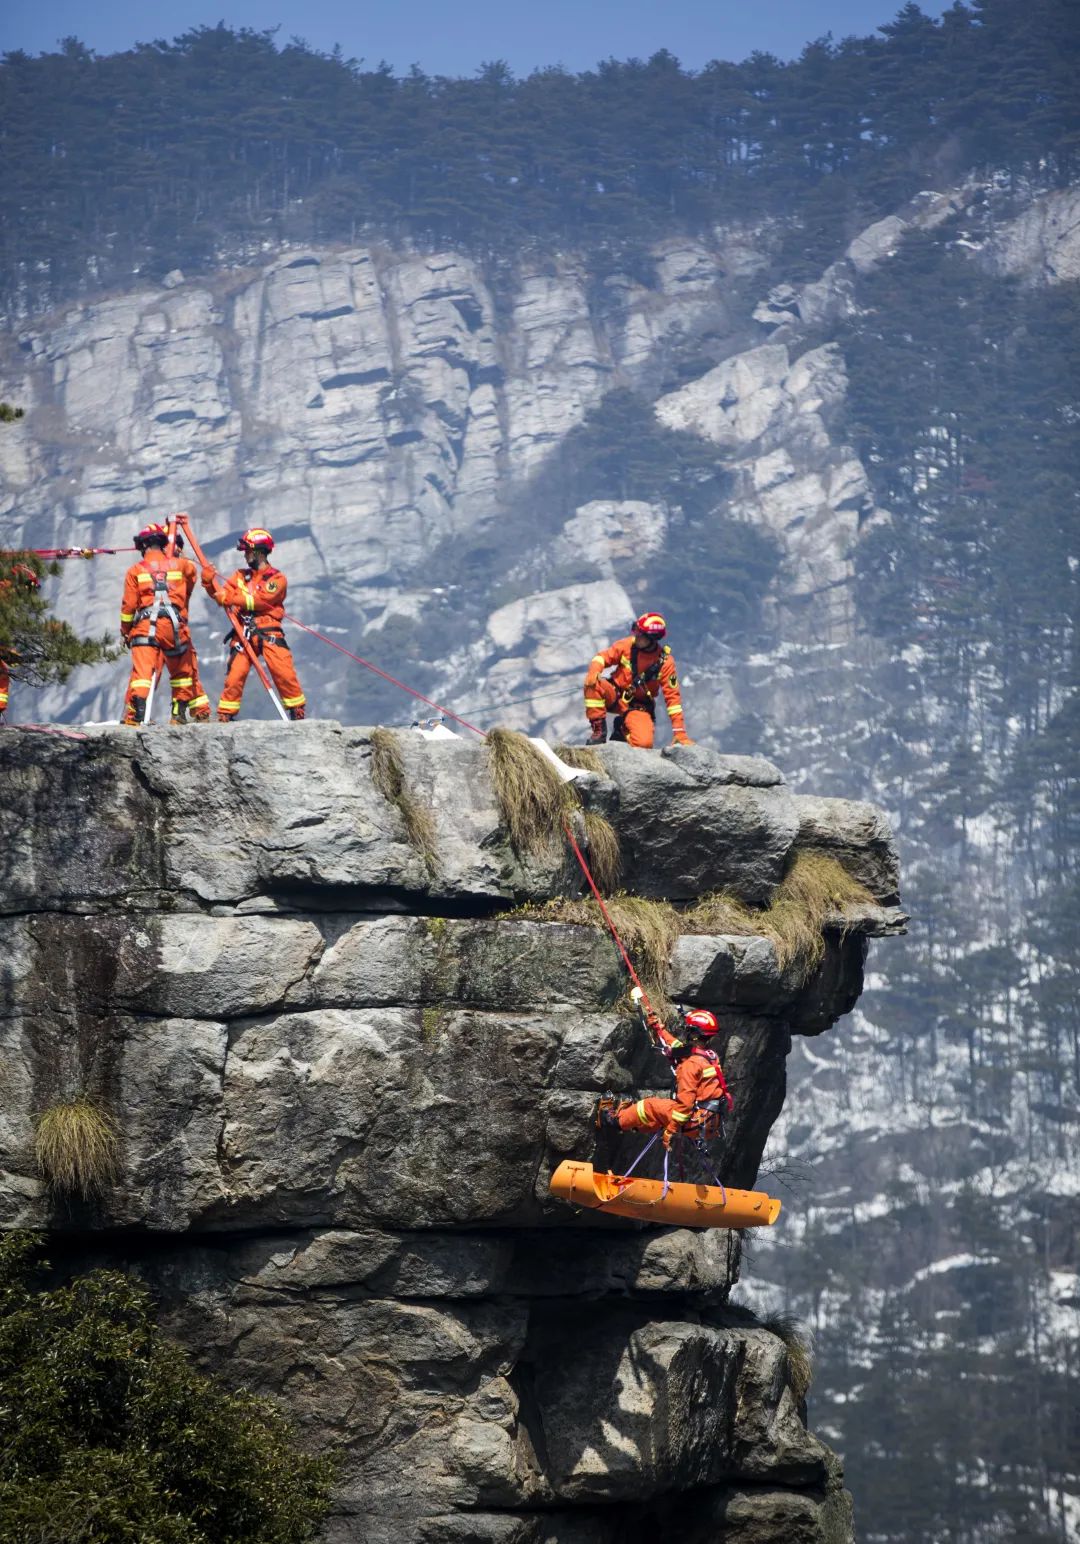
(701, 1092)
(643, 666)
(154, 625)
(257, 593)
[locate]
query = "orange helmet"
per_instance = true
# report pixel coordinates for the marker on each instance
(701, 1021)
(652, 624)
(255, 536)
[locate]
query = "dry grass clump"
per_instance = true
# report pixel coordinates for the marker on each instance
(531, 796)
(75, 1147)
(799, 1349)
(581, 758)
(605, 856)
(648, 930)
(388, 775)
(721, 912)
(814, 887)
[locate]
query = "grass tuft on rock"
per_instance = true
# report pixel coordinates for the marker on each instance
(75, 1147)
(388, 775)
(648, 929)
(604, 853)
(532, 798)
(582, 758)
(799, 1348)
(815, 888)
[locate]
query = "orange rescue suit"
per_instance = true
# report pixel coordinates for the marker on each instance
(168, 583)
(258, 596)
(698, 1077)
(631, 689)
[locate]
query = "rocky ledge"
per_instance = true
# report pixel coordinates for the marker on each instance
(343, 1069)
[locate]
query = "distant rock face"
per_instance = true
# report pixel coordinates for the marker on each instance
(342, 1078)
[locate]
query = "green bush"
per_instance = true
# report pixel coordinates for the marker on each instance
(108, 1434)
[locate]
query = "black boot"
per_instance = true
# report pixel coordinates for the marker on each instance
(599, 733)
(296, 713)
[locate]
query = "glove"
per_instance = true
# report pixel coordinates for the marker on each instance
(636, 994)
(666, 1139)
(682, 738)
(209, 573)
(125, 641)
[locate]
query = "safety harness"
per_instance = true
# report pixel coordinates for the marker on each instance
(641, 681)
(162, 607)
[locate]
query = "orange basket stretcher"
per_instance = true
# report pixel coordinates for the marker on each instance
(676, 1204)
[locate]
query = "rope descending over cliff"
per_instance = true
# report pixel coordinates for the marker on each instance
(578, 854)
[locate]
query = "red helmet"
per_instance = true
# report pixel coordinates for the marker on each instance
(25, 576)
(157, 533)
(255, 536)
(701, 1022)
(652, 624)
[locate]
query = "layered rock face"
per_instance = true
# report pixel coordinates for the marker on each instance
(343, 1073)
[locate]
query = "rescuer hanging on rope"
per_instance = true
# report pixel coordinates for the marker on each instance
(643, 666)
(701, 1092)
(154, 625)
(258, 594)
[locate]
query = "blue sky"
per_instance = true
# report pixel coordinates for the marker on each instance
(452, 37)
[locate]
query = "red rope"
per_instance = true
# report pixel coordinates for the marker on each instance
(73, 552)
(392, 679)
(578, 854)
(585, 869)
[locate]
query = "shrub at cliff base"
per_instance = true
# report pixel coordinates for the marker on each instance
(75, 1147)
(108, 1434)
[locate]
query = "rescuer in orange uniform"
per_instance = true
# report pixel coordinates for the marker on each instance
(22, 575)
(701, 1093)
(643, 666)
(258, 594)
(154, 625)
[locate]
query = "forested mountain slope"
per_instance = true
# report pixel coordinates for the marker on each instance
(791, 351)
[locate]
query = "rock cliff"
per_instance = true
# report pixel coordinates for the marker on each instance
(342, 1076)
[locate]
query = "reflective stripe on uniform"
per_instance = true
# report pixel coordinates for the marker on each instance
(141, 682)
(597, 659)
(673, 711)
(127, 616)
(625, 660)
(175, 573)
(249, 599)
(228, 707)
(294, 702)
(199, 702)
(595, 702)
(680, 1115)
(708, 1072)
(182, 680)
(642, 1112)
(145, 578)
